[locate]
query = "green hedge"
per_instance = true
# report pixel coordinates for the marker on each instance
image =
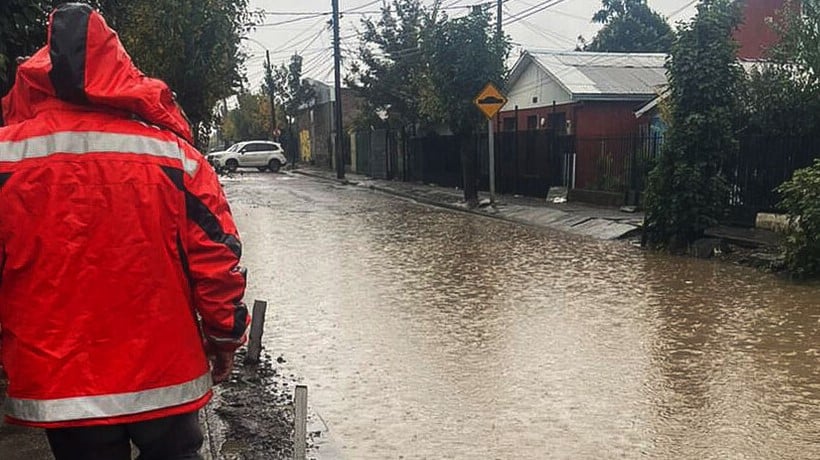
(801, 200)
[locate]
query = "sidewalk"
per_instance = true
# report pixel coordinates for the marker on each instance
(575, 218)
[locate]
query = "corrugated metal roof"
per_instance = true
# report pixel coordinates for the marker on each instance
(605, 75)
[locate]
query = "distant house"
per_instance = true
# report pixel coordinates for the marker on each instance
(592, 97)
(580, 93)
(588, 122)
(316, 124)
(650, 122)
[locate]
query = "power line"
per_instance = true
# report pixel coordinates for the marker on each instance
(353, 11)
(532, 7)
(573, 16)
(298, 36)
(316, 13)
(312, 41)
(531, 11)
(317, 61)
(290, 21)
(320, 17)
(291, 13)
(552, 36)
(679, 10)
(362, 6)
(453, 5)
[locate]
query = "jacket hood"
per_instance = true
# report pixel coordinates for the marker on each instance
(84, 63)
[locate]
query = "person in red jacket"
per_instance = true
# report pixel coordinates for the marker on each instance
(119, 257)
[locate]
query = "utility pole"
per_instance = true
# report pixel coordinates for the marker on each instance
(224, 145)
(269, 78)
(340, 166)
(498, 21)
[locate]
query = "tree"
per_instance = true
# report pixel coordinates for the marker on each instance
(292, 93)
(390, 69)
(776, 104)
(783, 96)
(801, 199)
(783, 99)
(22, 31)
(630, 26)
(687, 192)
(291, 90)
(249, 120)
(193, 45)
(798, 27)
(461, 56)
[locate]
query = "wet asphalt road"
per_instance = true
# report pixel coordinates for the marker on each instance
(424, 333)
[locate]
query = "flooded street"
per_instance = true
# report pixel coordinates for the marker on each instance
(424, 333)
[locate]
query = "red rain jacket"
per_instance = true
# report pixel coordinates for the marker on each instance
(117, 247)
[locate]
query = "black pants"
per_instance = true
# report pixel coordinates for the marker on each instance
(171, 438)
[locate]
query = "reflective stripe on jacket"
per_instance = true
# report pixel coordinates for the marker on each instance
(118, 251)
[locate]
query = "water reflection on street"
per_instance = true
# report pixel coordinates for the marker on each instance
(424, 333)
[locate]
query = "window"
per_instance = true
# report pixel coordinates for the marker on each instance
(532, 122)
(258, 147)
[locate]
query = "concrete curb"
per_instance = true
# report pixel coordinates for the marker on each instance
(582, 226)
(409, 196)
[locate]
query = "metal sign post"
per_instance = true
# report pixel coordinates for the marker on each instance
(492, 159)
(490, 101)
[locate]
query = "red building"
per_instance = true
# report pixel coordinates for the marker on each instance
(591, 96)
(594, 98)
(755, 36)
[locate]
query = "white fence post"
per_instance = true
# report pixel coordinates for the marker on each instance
(300, 422)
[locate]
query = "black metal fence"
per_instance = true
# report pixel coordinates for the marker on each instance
(616, 164)
(530, 162)
(435, 160)
(376, 154)
(527, 163)
(761, 165)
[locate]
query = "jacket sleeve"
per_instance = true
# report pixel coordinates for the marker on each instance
(213, 251)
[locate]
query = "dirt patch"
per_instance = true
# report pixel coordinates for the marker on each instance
(257, 410)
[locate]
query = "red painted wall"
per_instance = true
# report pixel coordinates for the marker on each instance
(588, 119)
(598, 121)
(590, 122)
(755, 36)
(539, 113)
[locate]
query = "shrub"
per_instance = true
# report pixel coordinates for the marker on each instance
(801, 200)
(687, 191)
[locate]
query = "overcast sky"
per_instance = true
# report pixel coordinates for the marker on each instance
(301, 26)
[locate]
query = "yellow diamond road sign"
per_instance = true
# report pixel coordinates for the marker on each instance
(490, 100)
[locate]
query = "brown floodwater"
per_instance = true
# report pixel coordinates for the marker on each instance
(424, 333)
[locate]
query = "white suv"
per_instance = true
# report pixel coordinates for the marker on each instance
(263, 155)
